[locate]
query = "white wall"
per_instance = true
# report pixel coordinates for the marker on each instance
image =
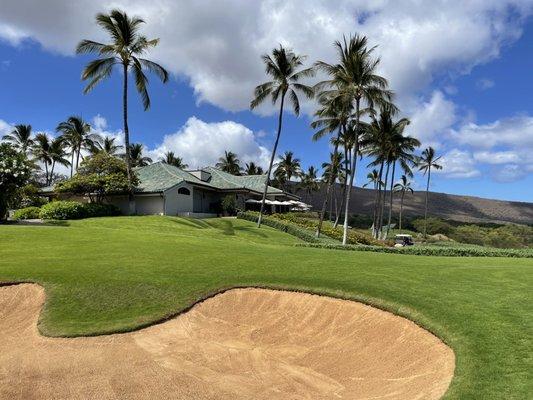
(178, 203)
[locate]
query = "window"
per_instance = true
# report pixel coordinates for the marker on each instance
(184, 191)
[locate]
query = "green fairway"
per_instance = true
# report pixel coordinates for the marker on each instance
(116, 274)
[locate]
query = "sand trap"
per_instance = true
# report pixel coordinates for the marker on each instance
(242, 344)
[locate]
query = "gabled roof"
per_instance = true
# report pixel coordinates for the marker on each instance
(159, 177)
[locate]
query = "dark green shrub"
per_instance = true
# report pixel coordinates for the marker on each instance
(360, 221)
(229, 204)
(100, 210)
(62, 210)
(27, 213)
(470, 234)
(434, 226)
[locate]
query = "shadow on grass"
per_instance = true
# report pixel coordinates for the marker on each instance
(191, 223)
(35, 223)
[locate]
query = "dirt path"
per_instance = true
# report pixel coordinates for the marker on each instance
(242, 344)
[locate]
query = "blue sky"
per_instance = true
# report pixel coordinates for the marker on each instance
(467, 91)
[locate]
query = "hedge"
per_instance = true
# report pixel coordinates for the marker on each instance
(73, 210)
(26, 213)
(280, 225)
(429, 251)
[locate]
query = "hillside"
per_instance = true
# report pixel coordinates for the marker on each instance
(448, 206)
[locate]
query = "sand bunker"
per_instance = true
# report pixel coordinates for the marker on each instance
(242, 344)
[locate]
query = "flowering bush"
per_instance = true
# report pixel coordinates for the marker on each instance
(15, 170)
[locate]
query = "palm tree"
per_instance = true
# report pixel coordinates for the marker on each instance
(41, 153)
(332, 117)
(374, 179)
(136, 154)
(287, 167)
(253, 169)
(403, 187)
(20, 137)
(284, 67)
(332, 172)
(106, 145)
(229, 163)
(355, 78)
(171, 159)
(125, 49)
(77, 133)
(58, 154)
(309, 181)
(425, 163)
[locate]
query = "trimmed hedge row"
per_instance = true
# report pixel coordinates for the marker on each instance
(429, 251)
(280, 225)
(61, 210)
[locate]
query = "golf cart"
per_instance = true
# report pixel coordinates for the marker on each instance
(403, 240)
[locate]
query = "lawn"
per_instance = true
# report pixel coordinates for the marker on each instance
(117, 274)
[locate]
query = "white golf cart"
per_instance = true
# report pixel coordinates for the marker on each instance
(403, 240)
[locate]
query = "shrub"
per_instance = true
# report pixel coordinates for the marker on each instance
(62, 210)
(74, 210)
(434, 226)
(27, 213)
(470, 234)
(15, 169)
(229, 204)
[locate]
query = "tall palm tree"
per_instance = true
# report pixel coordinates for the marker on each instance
(403, 187)
(125, 49)
(287, 167)
(20, 137)
(309, 181)
(171, 159)
(355, 78)
(284, 68)
(425, 163)
(333, 172)
(332, 117)
(252, 169)
(58, 154)
(137, 158)
(229, 163)
(41, 153)
(106, 145)
(77, 133)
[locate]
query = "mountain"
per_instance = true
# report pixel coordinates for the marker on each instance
(443, 205)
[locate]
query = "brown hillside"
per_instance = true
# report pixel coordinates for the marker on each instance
(448, 206)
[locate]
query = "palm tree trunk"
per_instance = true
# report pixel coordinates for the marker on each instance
(391, 196)
(376, 202)
(72, 163)
(280, 121)
(328, 188)
(382, 205)
(426, 208)
(127, 138)
(52, 171)
(46, 172)
(78, 151)
(347, 162)
(352, 173)
(401, 210)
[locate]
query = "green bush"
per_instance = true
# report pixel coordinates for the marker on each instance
(434, 226)
(74, 210)
(430, 250)
(27, 213)
(470, 234)
(229, 204)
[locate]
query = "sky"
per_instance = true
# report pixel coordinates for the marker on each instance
(462, 74)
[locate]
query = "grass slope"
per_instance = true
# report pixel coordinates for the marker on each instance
(117, 274)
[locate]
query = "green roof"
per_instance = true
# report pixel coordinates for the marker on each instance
(158, 177)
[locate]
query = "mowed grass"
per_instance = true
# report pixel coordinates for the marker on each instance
(117, 274)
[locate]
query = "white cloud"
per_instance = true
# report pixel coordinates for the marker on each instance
(202, 143)
(217, 47)
(99, 122)
(508, 173)
(5, 128)
(458, 164)
(485, 83)
(497, 157)
(513, 132)
(432, 120)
